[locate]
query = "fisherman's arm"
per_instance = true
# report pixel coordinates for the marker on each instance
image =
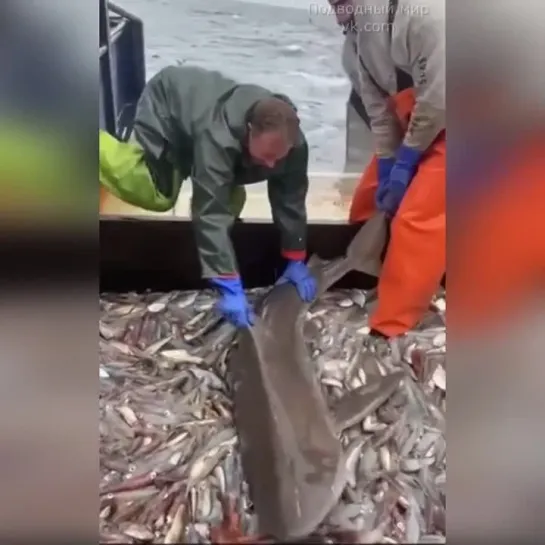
(212, 219)
(212, 178)
(287, 196)
(427, 40)
(384, 124)
(428, 71)
(381, 119)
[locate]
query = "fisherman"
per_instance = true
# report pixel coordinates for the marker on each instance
(197, 123)
(406, 178)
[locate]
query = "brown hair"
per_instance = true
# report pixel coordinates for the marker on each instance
(275, 114)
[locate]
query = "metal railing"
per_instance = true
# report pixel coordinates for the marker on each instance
(122, 68)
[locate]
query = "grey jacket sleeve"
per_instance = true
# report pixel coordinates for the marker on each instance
(428, 70)
(350, 61)
(385, 126)
(287, 196)
(212, 218)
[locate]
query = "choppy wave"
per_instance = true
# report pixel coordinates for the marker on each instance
(321, 81)
(292, 50)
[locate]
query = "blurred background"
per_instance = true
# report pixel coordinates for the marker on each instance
(496, 268)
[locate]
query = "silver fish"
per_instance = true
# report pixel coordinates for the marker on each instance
(139, 532)
(206, 461)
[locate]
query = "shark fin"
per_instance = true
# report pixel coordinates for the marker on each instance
(366, 248)
(365, 400)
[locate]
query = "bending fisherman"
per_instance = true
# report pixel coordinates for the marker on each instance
(196, 123)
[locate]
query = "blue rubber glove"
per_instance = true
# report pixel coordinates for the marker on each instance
(233, 305)
(298, 274)
(385, 165)
(402, 173)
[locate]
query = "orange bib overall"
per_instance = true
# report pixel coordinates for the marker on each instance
(416, 257)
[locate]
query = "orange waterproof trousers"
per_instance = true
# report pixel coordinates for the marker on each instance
(416, 257)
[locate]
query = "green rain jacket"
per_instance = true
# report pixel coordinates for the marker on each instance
(196, 121)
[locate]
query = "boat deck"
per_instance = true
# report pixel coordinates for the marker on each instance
(324, 202)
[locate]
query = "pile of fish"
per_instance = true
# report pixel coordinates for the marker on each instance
(170, 461)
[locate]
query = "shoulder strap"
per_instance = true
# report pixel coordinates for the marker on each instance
(392, 10)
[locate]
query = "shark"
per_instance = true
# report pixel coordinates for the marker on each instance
(291, 453)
